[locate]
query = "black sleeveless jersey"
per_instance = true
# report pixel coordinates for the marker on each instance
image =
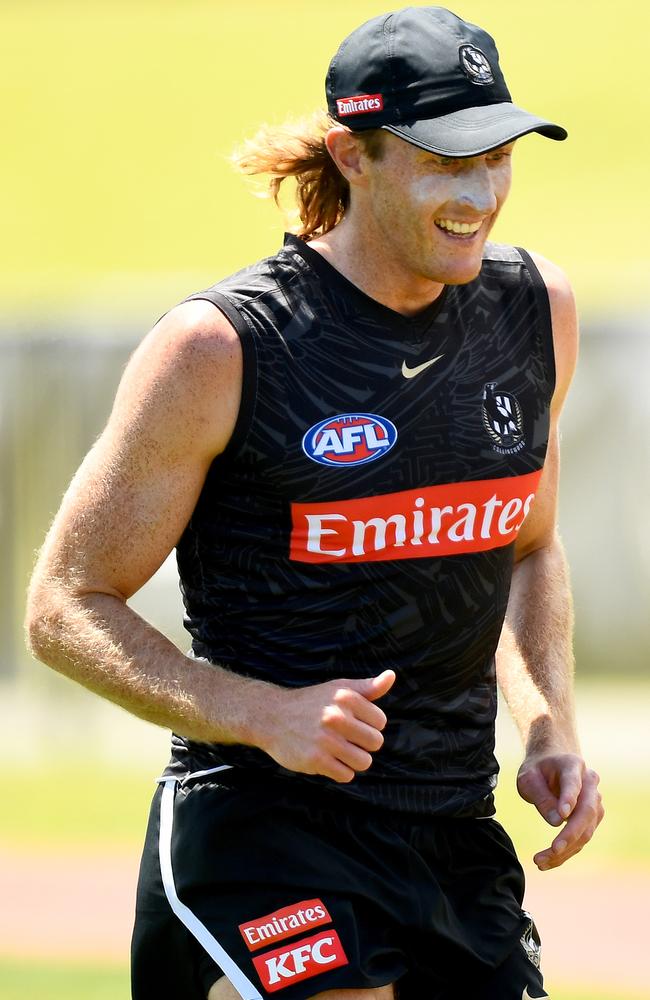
(364, 513)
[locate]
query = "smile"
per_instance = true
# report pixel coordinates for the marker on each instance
(458, 228)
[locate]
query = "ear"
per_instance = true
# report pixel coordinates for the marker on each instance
(346, 152)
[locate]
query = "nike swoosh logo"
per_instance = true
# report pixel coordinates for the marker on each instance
(412, 372)
(526, 996)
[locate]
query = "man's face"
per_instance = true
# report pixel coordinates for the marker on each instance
(418, 201)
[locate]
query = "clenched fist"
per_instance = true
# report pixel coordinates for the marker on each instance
(330, 729)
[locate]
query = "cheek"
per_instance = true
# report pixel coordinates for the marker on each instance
(502, 184)
(428, 194)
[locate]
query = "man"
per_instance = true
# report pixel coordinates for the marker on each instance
(353, 446)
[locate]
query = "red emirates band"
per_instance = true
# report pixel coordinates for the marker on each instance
(362, 104)
(433, 521)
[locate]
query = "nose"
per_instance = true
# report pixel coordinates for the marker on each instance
(476, 190)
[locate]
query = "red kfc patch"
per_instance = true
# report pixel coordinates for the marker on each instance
(290, 964)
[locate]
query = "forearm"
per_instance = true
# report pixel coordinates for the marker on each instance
(535, 657)
(330, 728)
(101, 643)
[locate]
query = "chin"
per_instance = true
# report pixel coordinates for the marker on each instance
(461, 275)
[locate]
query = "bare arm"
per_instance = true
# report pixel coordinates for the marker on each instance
(535, 659)
(127, 506)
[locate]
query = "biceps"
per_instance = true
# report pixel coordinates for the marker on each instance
(539, 527)
(123, 513)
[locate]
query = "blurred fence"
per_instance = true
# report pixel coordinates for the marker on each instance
(56, 392)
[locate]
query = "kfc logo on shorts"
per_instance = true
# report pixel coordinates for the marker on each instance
(288, 965)
(362, 104)
(284, 923)
(349, 439)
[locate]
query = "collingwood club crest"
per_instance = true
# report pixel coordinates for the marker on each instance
(531, 943)
(503, 419)
(475, 65)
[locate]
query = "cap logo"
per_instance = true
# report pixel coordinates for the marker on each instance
(362, 104)
(475, 65)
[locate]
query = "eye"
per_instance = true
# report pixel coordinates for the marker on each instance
(447, 161)
(499, 155)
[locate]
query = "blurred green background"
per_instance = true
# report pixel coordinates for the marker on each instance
(117, 200)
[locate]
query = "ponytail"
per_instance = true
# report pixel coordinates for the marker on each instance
(298, 150)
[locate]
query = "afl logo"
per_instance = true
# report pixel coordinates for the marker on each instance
(349, 439)
(475, 65)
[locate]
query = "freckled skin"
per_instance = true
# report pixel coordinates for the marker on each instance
(388, 243)
(410, 188)
(175, 410)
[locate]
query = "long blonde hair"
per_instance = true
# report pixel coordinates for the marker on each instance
(297, 149)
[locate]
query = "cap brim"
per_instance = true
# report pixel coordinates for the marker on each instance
(474, 130)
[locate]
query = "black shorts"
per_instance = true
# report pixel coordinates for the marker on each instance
(295, 896)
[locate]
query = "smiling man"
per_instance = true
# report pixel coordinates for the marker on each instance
(353, 446)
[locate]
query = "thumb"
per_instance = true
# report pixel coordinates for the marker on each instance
(373, 688)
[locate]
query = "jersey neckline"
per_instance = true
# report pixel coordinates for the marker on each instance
(334, 278)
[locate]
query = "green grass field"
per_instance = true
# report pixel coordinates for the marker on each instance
(43, 812)
(80, 982)
(29, 980)
(115, 191)
(119, 118)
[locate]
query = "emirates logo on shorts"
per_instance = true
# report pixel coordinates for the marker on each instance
(284, 923)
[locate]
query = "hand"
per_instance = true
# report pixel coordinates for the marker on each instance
(330, 729)
(562, 788)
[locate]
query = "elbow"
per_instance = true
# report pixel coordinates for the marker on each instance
(36, 622)
(44, 619)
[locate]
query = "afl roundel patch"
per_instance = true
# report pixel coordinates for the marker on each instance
(349, 439)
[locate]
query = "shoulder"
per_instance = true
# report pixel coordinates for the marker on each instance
(564, 321)
(191, 334)
(185, 376)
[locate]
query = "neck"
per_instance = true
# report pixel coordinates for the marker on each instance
(364, 261)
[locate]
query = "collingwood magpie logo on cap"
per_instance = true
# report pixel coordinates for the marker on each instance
(475, 65)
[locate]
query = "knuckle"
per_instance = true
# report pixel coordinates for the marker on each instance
(317, 761)
(311, 764)
(586, 836)
(331, 716)
(344, 697)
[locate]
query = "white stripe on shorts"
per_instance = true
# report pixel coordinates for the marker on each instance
(241, 983)
(194, 774)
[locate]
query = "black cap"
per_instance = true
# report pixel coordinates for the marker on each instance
(430, 78)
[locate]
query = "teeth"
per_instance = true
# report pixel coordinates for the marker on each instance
(458, 227)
